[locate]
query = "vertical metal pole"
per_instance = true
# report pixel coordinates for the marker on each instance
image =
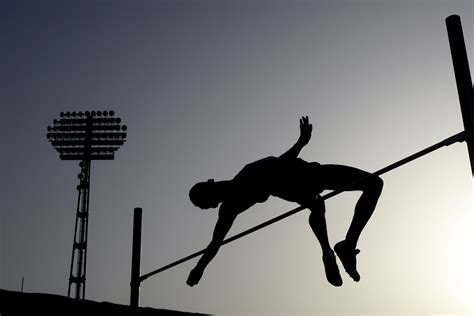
(136, 254)
(71, 271)
(86, 227)
(22, 282)
(77, 278)
(463, 80)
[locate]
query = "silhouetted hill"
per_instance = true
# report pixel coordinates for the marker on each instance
(16, 303)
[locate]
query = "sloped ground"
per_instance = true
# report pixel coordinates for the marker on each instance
(16, 303)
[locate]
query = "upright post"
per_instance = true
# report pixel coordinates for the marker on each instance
(463, 80)
(136, 254)
(77, 274)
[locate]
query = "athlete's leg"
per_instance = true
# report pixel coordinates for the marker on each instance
(317, 221)
(334, 177)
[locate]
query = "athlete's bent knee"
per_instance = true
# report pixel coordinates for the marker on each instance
(376, 184)
(372, 185)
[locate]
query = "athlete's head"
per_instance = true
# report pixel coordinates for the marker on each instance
(206, 195)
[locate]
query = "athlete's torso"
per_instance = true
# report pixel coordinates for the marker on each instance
(290, 179)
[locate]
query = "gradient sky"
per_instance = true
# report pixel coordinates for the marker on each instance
(206, 87)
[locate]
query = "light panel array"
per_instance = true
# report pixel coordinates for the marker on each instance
(89, 135)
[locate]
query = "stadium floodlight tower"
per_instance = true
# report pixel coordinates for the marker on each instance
(92, 135)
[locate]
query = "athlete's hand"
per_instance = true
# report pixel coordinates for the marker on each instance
(194, 276)
(305, 131)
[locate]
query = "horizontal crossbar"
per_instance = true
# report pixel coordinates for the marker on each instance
(459, 137)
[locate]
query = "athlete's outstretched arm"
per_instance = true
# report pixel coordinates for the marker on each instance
(303, 140)
(223, 225)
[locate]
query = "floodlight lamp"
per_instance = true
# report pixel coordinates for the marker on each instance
(124, 127)
(111, 113)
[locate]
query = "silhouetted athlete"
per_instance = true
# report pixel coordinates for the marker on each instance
(292, 179)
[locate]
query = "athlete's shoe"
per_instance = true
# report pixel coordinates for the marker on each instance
(347, 255)
(331, 268)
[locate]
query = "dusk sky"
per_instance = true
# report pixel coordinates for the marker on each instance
(206, 87)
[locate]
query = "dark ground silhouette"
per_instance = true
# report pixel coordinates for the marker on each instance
(17, 303)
